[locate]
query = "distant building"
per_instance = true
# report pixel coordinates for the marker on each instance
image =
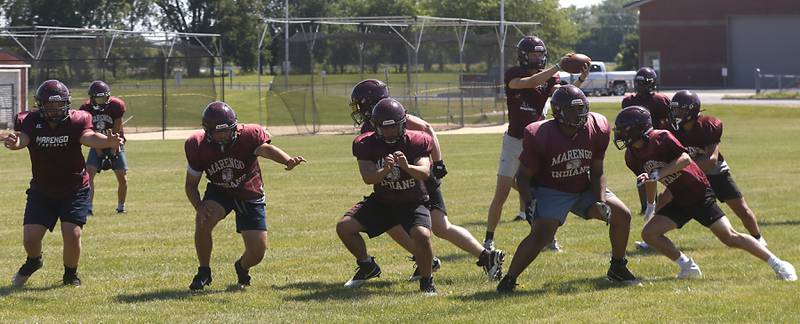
(694, 41)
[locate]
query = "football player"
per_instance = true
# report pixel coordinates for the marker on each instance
(701, 135)
(60, 186)
(228, 154)
(396, 162)
(364, 96)
(527, 86)
(561, 171)
(656, 155)
(107, 114)
(645, 84)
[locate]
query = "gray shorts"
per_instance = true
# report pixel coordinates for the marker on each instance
(555, 204)
(509, 156)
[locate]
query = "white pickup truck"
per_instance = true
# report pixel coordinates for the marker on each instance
(601, 83)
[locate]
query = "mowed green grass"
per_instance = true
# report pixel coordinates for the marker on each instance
(137, 267)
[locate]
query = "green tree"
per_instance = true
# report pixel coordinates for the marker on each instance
(628, 56)
(605, 25)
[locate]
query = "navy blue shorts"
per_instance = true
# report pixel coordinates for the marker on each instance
(435, 197)
(378, 217)
(250, 214)
(44, 210)
(118, 163)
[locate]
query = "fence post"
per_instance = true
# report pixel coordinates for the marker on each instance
(758, 80)
(448, 103)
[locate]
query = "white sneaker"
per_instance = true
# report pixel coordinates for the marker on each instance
(642, 245)
(553, 246)
(520, 217)
(762, 241)
(691, 271)
(489, 245)
(785, 271)
(19, 280)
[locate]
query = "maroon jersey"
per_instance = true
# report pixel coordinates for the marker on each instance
(398, 187)
(661, 148)
(706, 131)
(526, 105)
(236, 170)
(657, 104)
(102, 120)
(19, 119)
(560, 162)
(57, 161)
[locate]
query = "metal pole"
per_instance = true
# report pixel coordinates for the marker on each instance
(286, 46)
(501, 69)
(758, 80)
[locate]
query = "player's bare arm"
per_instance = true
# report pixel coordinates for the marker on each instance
(535, 80)
(708, 160)
(275, 153)
(418, 124)
(523, 178)
(17, 141)
(598, 180)
(370, 172)
(673, 167)
(99, 141)
(419, 169)
(190, 187)
(584, 75)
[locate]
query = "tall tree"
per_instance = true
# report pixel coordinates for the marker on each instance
(607, 24)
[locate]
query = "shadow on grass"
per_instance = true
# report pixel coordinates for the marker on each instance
(10, 290)
(455, 257)
(576, 286)
(780, 223)
(324, 291)
(171, 294)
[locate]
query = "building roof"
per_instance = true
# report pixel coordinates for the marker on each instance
(636, 4)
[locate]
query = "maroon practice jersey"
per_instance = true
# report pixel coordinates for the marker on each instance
(706, 131)
(661, 148)
(526, 105)
(235, 170)
(398, 187)
(57, 161)
(104, 119)
(657, 104)
(560, 162)
(19, 119)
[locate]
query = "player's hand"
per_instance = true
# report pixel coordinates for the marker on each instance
(649, 212)
(439, 170)
(647, 177)
(401, 160)
(388, 161)
(115, 141)
(293, 162)
(585, 71)
(11, 141)
(604, 210)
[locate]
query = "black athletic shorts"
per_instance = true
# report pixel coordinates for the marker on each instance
(724, 187)
(378, 217)
(706, 211)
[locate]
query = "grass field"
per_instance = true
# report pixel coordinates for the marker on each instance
(137, 267)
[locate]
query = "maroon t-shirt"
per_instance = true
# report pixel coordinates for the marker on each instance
(560, 162)
(657, 104)
(236, 170)
(102, 120)
(661, 148)
(706, 131)
(57, 161)
(398, 187)
(19, 119)
(526, 105)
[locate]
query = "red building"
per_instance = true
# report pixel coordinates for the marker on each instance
(693, 43)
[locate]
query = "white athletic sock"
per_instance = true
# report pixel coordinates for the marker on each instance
(773, 261)
(683, 260)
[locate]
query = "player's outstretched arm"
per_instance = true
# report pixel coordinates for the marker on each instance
(598, 180)
(99, 141)
(16, 141)
(535, 80)
(274, 153)
(675, 166)
(709, 160)
(523, 178)
(418, 124)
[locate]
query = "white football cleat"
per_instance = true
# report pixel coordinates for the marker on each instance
(691, 271)
(762, 241)
(785, 271)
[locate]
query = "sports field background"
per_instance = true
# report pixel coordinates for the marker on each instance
(137, 267)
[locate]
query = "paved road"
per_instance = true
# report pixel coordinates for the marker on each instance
(714, 97)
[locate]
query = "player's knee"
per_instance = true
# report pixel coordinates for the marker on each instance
(649, 235)
(730, 238)
(420, 234)
(440, 228)
(343, 227)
